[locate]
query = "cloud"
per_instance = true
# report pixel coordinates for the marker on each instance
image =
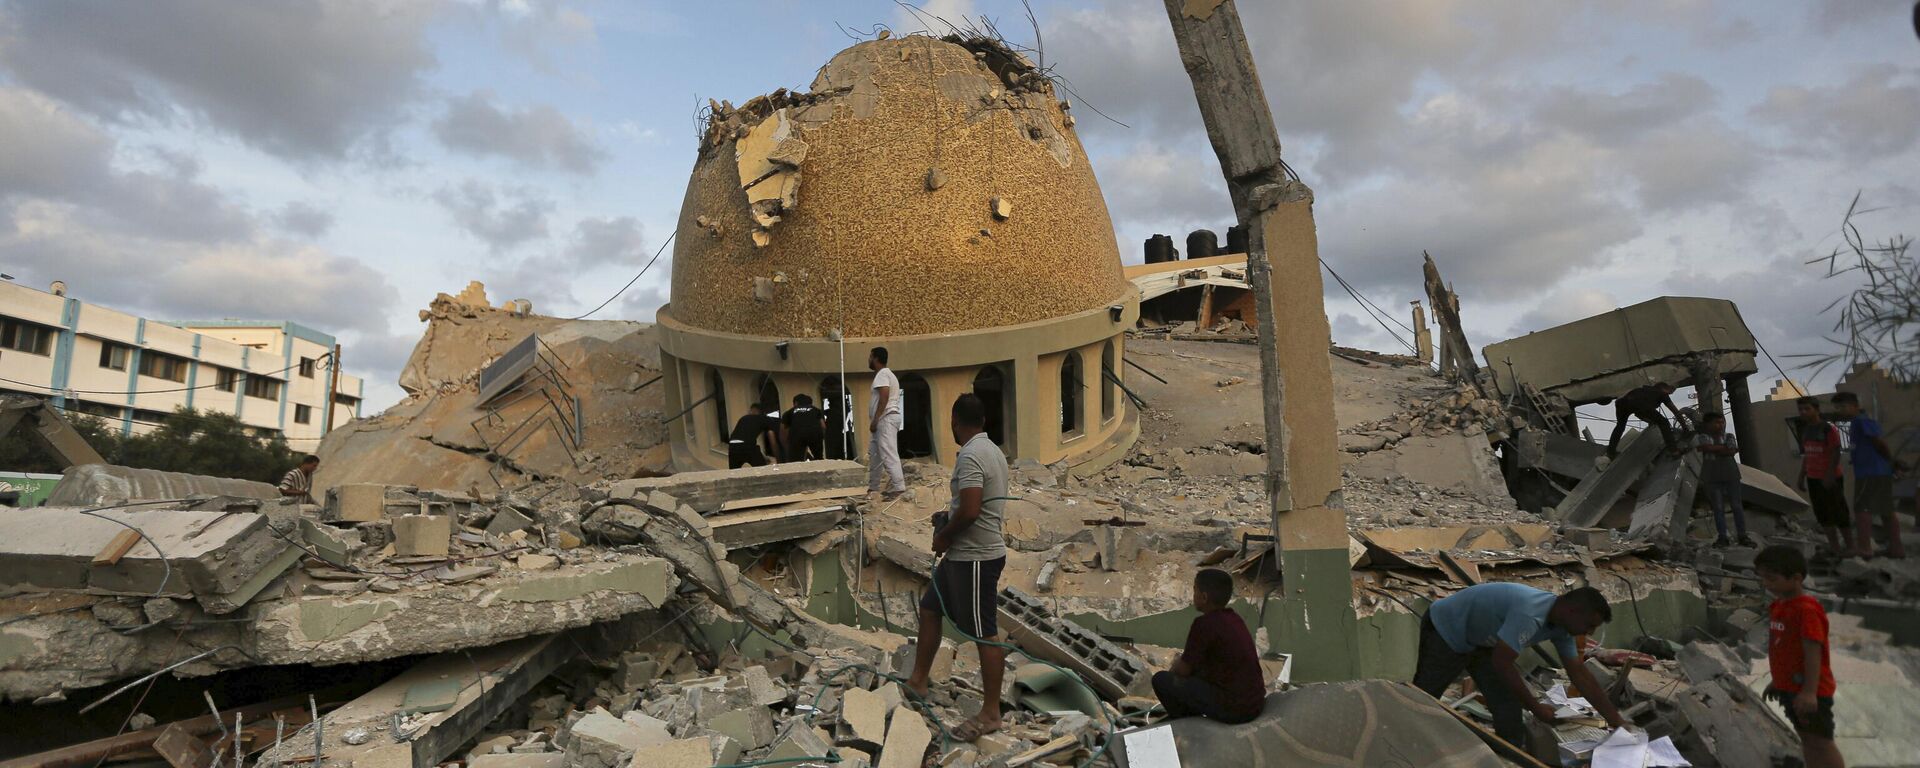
(1873, 115)
(1564, 306)
(304, 219)
(1163, 188)
(933, 16)
(301, 79)
(1616, 118)
(502, 225)
(536, 137)
(614, 240)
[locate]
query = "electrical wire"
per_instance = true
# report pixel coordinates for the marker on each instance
(52, 391)
(636, 277)
(1371, 309)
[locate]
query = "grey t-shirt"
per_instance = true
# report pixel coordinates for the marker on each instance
(1715, 468)
(980, 465)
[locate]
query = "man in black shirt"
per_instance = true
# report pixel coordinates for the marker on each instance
(749, 434)
(804, 433)
(1644, 402)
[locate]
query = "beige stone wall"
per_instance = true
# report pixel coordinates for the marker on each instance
(866, 246)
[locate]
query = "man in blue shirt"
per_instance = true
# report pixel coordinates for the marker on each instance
(1872, 479)
(1482, 630)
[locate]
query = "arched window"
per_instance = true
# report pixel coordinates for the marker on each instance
(990, 386)
(718, 390)
(1070, 386)
(839, 430)
(1107, 374)
(767, 393)
(916, 426)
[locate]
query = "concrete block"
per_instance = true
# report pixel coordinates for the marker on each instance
(513, 760)
(600, 740)
(506, 520)
(356, 502)
(800, 743)
(698, 752)
(864, 714)
(907, 739)
(636, 671)
(750, 727)
(334, 545)
(762, 689)
(655, 729)
(422, 535)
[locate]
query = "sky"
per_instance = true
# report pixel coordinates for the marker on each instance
(339, 163)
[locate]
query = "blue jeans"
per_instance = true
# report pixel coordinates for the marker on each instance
(1720, 495)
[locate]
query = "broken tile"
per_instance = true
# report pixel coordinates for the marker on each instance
(907, 739)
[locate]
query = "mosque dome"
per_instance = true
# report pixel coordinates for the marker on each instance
(921, 186)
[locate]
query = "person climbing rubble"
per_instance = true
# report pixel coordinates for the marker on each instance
(884, 419)
(1482, 630)
(751, 433)
(297, 484)
(966, 581)
(1218, 675)
(803, 431)
(1644, 403)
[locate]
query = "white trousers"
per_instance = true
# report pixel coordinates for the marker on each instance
(883, 458)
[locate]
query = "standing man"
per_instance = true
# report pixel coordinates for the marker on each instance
(1720, 476)
(883, 422)
(803, 431)
(1644, 402)
(1482, 629)
(966, 581)
(750, 433)
(297, 484)
(1873, 467)
(1820, 475)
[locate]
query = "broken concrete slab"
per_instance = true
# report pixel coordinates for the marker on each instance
(600, 740)
(1341, 723)
(516, 760)
(697, 752)
(706, 491)
(863, 713)
(366, 502)
(92, 485)
(800, 742)
(907, 739)
(1600, 488)
(182, 553)
(783, 523)
(750, 727)
(1031, 626)
(507, 520)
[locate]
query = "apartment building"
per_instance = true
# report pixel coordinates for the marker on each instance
(273, 375)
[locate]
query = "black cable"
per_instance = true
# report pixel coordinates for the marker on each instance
(636, 277)
(1776, 363)
(52, 391)
(1369, 308)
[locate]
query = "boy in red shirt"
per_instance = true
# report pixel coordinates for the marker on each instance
(1797, 652)
(1820, 475)
(1218, 676)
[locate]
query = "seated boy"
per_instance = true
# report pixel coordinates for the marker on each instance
(1218, 676)
(1797, 653)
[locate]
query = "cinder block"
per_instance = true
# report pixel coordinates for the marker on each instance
(422, 535)
(357, 502)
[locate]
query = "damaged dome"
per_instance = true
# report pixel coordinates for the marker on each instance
(921, 186)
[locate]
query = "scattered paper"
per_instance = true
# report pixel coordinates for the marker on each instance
(1152, 748)
(1627, 748)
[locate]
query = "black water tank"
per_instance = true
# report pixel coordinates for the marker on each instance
(1202, 243)
(1237, 239)
(1160, 249)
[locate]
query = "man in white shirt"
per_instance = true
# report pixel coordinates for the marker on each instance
(884, 421)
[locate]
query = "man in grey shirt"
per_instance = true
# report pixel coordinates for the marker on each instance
(966, 582)
(1720, 477)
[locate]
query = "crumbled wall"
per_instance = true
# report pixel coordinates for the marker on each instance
(921, 186)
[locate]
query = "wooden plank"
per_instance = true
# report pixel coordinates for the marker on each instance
(132, 742)
(117, 548)
(773, 501)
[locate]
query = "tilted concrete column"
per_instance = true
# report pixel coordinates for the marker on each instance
(1316, 620)
(1741, 403)
(1422, 335)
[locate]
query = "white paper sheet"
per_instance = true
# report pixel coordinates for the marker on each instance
(1626, 748)
(1152, 748)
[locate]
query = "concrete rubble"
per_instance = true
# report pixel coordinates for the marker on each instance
(493, 578)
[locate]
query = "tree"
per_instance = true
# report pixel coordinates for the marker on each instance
(1879, 321)
(186, 440)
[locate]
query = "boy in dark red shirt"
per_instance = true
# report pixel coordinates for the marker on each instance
(1820, 474)
(1218, 676)
(1797, 652)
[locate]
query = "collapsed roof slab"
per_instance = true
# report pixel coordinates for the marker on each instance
(93, 484)
(175, 553)
(1606, 355)
(75, 640)
(706, 491)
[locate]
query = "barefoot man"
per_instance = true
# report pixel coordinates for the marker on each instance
(968, 541)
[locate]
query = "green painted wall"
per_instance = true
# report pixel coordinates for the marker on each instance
(34, 488)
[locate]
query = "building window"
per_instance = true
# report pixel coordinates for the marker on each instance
(718, 390)
(22, 336)
(1107, 385)
(113, 355)
(163, 366)
(1070, 393)
(226, 379)
(306, 367)
(302, 414)
(263, 388)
